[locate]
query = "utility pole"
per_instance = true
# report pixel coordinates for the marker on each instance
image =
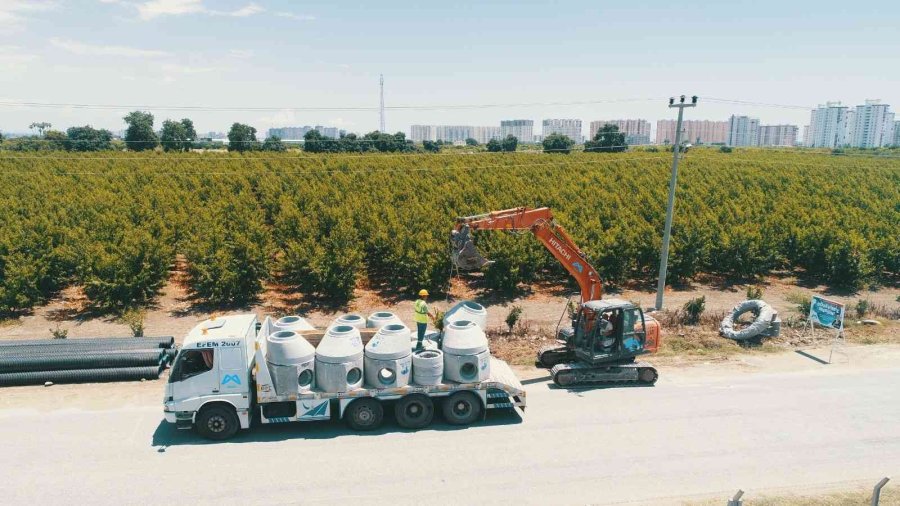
(381, 109)
(667, 232)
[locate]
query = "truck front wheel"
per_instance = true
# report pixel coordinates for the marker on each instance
(364, 414)
(217, 422)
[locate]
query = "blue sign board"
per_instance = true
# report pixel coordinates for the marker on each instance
(826, 313)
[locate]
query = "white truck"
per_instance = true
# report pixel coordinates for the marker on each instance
(220, 380)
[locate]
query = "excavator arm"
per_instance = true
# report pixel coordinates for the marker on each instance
(540, 223)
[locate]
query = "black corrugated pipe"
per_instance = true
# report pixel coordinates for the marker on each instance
(81, 361)
(54, 351)
(160, 342)
(79, 376)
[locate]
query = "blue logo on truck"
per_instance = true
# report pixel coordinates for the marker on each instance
(231, 378)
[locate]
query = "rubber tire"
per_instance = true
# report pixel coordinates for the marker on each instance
(420, 401)
(470, 412)
(364, 414)
(211, 418)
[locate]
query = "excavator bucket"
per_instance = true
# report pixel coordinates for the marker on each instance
(463, 253)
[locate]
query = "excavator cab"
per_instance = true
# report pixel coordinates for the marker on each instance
(609, 331)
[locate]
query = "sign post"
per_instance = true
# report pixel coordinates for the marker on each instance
(828, 314)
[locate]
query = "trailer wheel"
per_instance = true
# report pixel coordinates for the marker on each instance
(217, 422)
(414, 411)
(461, 408)
(364, 414)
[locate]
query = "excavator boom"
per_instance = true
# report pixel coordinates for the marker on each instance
(540, 223)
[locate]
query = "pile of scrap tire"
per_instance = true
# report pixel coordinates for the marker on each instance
(91, 360)
(766, 322)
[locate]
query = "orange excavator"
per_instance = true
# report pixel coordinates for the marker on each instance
(606, 335)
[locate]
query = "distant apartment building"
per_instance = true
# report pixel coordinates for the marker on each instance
(829, 126)
(330, 132)
(484, 134)
(522, 129)
(743, 131)
(693, 131)
(777, 135)
(421, 133)
(872, 125)
(637, 131)
(896, 142)
(297, 133)
(289, 133)
(571, 128)
(453, 133)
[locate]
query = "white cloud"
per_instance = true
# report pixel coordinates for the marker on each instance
(14, 13)
(243, 12)
(12, 59)
(241, 53)
(83, 49)
(295, 17)
(172, 68)
(156, 8)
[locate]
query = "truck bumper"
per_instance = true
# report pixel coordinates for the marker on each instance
(170, 416)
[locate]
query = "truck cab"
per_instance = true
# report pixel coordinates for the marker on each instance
(209, 385)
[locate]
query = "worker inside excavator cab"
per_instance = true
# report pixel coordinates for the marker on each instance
(607, 329)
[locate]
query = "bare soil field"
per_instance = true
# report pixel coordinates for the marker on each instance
(544, 307)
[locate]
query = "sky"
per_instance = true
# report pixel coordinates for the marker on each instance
(274, 59)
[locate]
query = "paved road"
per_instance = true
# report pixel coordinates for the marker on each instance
(688, 435)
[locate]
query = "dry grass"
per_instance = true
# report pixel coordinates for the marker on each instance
(520, 346)
(687, 343)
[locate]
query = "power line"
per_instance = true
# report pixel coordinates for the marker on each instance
(758, 104)
(62, 105)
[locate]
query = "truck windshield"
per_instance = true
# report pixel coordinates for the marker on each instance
(191, 363)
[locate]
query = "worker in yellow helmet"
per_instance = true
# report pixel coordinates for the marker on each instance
(421, 317)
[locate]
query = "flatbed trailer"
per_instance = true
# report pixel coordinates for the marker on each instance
(234, 398)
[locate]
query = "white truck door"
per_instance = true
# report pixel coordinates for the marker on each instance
(194, 376)
(232, 371)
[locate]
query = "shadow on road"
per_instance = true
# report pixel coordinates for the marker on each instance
(167, 435)
(580, 388)
(613, 386)
(811, 357)
(537, 380)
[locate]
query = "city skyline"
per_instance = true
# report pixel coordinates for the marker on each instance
(234, 53)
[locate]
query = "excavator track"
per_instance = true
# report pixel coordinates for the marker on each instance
(577, 374)
(549, 356)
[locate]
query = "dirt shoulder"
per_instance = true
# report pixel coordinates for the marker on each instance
(543, 307)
